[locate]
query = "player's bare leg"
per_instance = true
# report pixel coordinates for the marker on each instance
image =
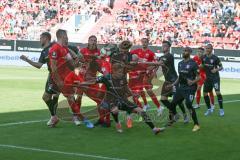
(198, 97)
(146, 106)
(155, 101)
(211, 95)
(76, 112)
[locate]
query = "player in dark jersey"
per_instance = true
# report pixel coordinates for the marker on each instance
(212, 65)
(198, 60)
(187, 84)
(170, 76)
(50, 96)
(117, 88)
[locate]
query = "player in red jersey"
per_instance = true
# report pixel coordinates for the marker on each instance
(91, 56)
(136, 85)
(146, 55)
(60, 63)
(197, 59)
(72, 79)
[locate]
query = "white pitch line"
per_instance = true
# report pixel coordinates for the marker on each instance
(17, 123)
(21, 78)
(232, 101)
(202, 104)
(58, 152)
(37, 121)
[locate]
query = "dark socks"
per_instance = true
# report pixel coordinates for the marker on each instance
(207, 101)
(50, 107)
(55, 104)
(194, 117)
(166, 103)
(171, 107)
(147, 120)
(220, 101)
(115, 117)
(181, 106)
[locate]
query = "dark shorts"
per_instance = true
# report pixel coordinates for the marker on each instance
(51, 87)
(183, 93)
(124, 105)
(210, 84)
(167, 91)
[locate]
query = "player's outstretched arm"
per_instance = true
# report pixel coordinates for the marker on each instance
(147, 63)
(83, 84)
(32, 63)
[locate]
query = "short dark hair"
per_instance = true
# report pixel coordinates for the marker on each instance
(60, 32)
(92, 36)
(201, 48)
(126, 44)
(188, 49)
(47, 35)
(209, 44)
(167, 42)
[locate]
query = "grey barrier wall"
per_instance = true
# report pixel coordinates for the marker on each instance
(34, 46)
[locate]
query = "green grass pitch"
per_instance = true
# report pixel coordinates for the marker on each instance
(20, 101)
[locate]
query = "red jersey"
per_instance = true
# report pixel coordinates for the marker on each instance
(71, 77)
(59, 53)
(68, 88)
(87, 53)
(198, 60)
(136, 75)
(94, 66)
(147, 55)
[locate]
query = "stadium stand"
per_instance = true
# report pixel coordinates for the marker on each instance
(26, 19)
(183, 22)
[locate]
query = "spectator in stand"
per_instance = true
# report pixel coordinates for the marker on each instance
(184, 22)
(26, 19)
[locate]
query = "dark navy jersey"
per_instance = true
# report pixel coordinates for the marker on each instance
(124, 58)
(188, 70)
(209, 63)
(169, 71)
(44, 59)
(116, 88)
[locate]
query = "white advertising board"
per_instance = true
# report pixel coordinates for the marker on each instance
(11, 58)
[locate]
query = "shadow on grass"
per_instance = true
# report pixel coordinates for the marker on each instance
(64, 113)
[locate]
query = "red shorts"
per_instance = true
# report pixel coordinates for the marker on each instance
(135, 85)
(67, 90)
(137, 89)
